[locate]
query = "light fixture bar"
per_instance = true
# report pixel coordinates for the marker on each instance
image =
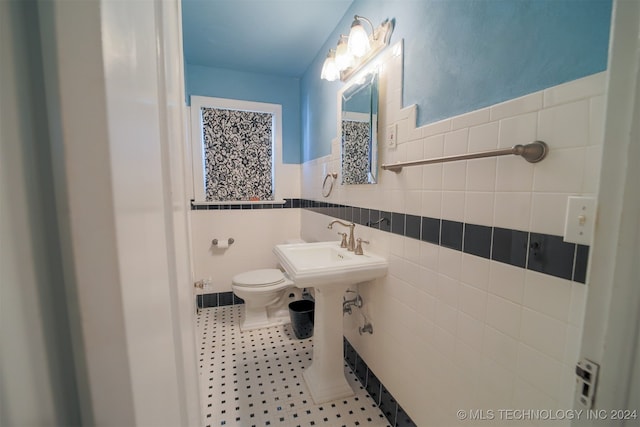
(379, 39)
(353, 53)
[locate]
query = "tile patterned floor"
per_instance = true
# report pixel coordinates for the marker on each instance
(254, 378)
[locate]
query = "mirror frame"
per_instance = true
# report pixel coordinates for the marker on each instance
(369, 78)
(376, 64)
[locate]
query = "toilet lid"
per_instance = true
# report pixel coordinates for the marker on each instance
(265, 277)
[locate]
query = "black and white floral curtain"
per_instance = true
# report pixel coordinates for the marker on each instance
(238, 149)
(355, 152)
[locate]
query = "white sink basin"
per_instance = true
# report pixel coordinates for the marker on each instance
(329, 269)
(326, 263)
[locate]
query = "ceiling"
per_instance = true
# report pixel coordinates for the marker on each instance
(280, 37)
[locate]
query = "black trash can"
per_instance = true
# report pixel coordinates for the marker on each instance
(301, 313)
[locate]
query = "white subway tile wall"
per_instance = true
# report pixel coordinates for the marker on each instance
(253, 241)
(470, 332)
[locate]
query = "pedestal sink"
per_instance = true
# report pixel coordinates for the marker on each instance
(330, 270)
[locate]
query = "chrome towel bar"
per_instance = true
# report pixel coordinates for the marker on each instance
(533, 153)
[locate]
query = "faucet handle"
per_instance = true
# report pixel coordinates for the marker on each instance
(358, 250)
(343, 244)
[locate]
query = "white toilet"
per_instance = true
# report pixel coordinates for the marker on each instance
(266, 294)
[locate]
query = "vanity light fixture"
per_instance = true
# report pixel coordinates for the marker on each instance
(355, 51)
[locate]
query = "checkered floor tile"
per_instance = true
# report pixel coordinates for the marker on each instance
(254, 378)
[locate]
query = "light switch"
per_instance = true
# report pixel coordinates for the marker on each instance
(392, 135)
(580, 220)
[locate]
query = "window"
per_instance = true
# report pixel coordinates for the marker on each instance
(238, 151)
(234, 147)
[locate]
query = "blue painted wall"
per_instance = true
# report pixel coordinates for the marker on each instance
(222, 83)
(467, 54)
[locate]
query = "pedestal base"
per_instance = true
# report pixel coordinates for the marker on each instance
(325, 389)
(325, 377)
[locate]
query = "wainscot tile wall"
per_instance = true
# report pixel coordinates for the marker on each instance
(544, 253)
(483, 303)
(255, 229)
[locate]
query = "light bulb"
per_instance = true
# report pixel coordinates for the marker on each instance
(344, 59)
(330, 70)
(358, 40)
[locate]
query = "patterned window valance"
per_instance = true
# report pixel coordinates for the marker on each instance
(238, 151)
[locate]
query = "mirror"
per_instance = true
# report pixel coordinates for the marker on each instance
(359, 130)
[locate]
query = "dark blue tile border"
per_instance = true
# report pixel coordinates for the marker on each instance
(544, 253)
(403, 419)
(237, 300)
(431, 230)
(288, 203)
(373, 386)
(412, 226)
(220, 299)
(361, 371)
(510, 246)
(374, 215)
(556, 258)
(217, 299)
(551, 255)
(477, 240)
(388, 405)
(350, 356)
(225, 298)
(580, 267)
(385, 221)
(397, 223)
(451, 234)
(382, 397)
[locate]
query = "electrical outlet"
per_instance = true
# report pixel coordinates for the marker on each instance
(392, 135)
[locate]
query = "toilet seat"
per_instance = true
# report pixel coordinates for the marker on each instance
(259, 278)
(266, 294)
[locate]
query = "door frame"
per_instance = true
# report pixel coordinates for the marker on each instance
(612, 316)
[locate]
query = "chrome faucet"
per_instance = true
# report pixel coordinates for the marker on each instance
(351, 244)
